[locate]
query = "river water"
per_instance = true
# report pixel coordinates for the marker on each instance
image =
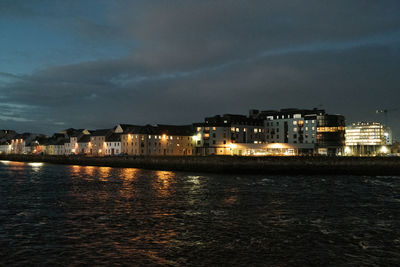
(73, 215)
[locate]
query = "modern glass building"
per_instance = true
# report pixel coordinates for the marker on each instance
(367, 139)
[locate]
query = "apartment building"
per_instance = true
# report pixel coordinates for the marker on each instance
(218, 135)
(311, 131)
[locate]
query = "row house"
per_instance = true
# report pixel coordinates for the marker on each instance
(97, 145)
(72, 147)
(56, 147)
(5, 147)
(83, 145)
(113, 144)
(219, 135)
(160, 140)
(22, 143)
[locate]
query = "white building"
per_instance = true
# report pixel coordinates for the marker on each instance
(311, 131)
(113, 145)
(5, 148)
(367, 139)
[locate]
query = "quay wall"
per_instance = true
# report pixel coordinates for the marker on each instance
(234, 164)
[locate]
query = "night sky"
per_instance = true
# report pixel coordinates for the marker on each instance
(94, 64)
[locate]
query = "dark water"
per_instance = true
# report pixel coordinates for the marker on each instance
(71, 215)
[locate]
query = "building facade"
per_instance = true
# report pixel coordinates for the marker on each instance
(113, 144)
(368, 139)
(218, 135)
(311, 131)
(160, 140)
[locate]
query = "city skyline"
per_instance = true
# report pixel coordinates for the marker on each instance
(93, 64)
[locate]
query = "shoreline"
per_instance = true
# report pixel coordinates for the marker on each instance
(233, 164)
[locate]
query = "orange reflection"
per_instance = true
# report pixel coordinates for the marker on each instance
(162, 184)
(89, 170)
(230, 200)
(128, 175)
(104, 173)
(75, 168)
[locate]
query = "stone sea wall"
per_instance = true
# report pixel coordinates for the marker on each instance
(235, 165)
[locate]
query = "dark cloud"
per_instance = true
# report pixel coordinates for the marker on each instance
(192, 59)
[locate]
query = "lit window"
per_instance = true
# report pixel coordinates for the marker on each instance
(214, 128)
(255, 130)
(294, 122)
(237, 130)
(198, 129)
(232, 129)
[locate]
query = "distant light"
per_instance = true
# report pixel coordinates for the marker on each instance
(35, 164)
(384, 150)
(232, 146)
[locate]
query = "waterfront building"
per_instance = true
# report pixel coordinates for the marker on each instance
(21, 143)
(74, 135)
(113, 144)
(368, 139)
(97, 143)
(55, 145)
(218, 135)
(160, 140)
(83, 145)
(5, 147)
(311, 131)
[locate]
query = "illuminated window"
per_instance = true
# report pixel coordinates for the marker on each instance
(214, 128)
(198, 129)
(255, 130)
(294, 122)
(237, 130)
(232, 129)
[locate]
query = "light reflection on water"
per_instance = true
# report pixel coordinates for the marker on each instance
(79, 215)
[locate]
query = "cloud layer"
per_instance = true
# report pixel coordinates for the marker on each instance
(179, 61)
